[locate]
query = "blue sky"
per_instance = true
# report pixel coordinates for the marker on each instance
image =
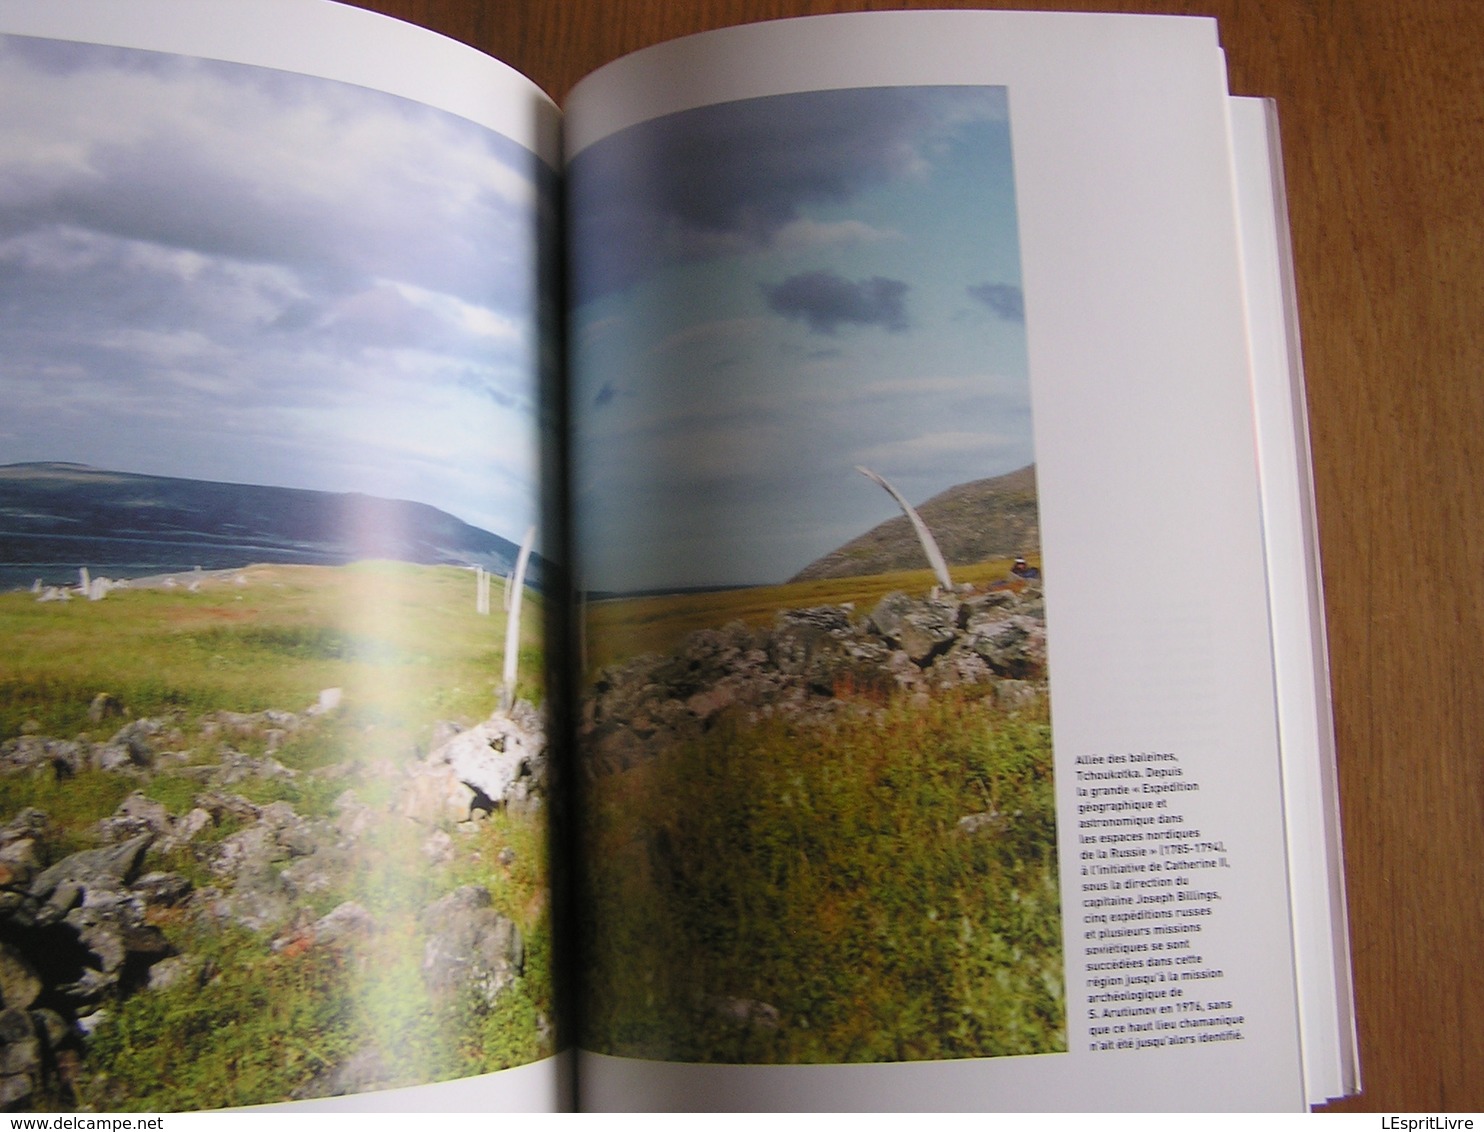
(225, 272)
(772, 291)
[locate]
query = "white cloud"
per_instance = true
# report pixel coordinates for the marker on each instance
(806, 233)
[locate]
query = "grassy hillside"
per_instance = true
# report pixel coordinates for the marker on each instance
(971, 522)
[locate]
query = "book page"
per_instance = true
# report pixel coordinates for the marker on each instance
(274, 573)
(929, 743)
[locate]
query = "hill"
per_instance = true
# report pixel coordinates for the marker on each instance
(989, 518)
(56, 513)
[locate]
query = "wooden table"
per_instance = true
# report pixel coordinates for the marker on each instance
(1382, 108)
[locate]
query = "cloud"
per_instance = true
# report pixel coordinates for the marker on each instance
(301, 281)
(261, 166)
(734, 177)
(825, 301)
(803, 233)
(1004, 300)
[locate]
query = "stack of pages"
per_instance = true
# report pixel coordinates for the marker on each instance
(789, 584)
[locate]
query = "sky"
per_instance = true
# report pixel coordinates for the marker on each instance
(231, 273)
(772, 291)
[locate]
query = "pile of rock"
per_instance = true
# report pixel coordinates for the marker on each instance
(80, 934)
(72, 937)
(814, 662)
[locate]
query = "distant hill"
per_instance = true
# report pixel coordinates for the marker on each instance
(55, 513)
(988, 518)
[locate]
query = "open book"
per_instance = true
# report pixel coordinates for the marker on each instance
(790, 584)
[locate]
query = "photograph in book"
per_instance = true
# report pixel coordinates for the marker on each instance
(814, 743)
(273, 813)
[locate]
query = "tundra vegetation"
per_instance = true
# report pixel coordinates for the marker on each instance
(819, 824)
(235, 871)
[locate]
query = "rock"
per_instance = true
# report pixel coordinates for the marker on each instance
(364, 1071)
(104, 706)
(492, 756)
(66, 896)
(1015, 694)
(920, 629)
(800, 636)
(259, 904)
(18, 864)
(20, 1056)
(354, 818)
(329, 700)
(434, 794)
(960, 666)
(28, 752)
(137, 741)
(135, 815)
(29, 824)
(112, 926)
(471, 948)
(109, 867)
(113, 759)
(20, 985)
(989, 822)
(219, 805)
(443, 731)
(749, 1012)
(237, 767)
(51, 1027)
(344, 923)
(186, 830)
(175, 971)
(248, 851)
(318, 872)
(705, 705)
(14, 1090)
(1014, 647)
(88, 1024)
(162, 889)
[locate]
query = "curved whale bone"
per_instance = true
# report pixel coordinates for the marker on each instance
(924, 536)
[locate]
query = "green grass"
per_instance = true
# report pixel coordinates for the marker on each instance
(72, 804)
(261, 1027)
(820, 869)
(274, 642)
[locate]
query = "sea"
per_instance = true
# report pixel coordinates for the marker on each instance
(56, 559)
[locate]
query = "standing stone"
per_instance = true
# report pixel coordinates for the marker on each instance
(104, 706)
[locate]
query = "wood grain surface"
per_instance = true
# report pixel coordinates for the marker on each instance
(1382, 111)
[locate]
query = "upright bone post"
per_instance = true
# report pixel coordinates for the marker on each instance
(924, 536)
(512, 624)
